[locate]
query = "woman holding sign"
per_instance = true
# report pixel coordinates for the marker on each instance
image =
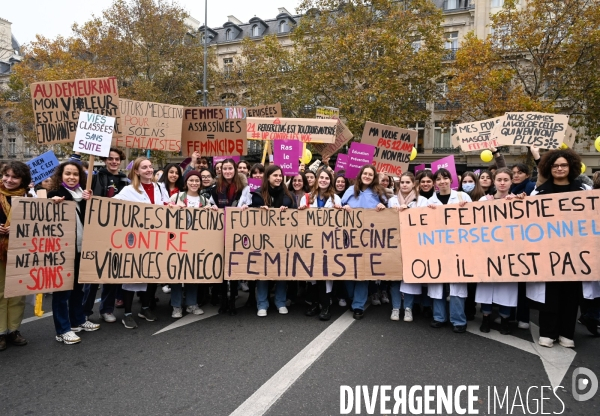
(67, 306)
(323, 196)
(16, 178)
(143, 189)
(458, 291)
(366, 193)
(272, 194)
(557, 301)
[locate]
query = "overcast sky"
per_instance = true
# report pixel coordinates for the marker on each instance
(55, 17)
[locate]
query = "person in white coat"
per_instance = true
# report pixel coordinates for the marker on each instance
(322, 196)
(458, 291)
(143, 189)
(504, 294)
(408, 197)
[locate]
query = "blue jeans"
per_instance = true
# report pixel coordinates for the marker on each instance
(358, 291)
(395, 294)
(486, 308)
(191, 295)
(262, 294)
(409, 300)
(457, 310)
(67, 306)
(107, 298)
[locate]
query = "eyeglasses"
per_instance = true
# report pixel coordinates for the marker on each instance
(206, 177)
(561, 166)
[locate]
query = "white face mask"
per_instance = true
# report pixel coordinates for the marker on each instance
(468, 187)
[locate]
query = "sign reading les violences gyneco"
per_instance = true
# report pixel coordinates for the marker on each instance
(94, 134)
(126, 242)
(393, 146)
(539, 238)
(312, 244)
(214, 131)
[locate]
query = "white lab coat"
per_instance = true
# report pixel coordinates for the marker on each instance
(537, 290)
(245, 198)
(394, 202)
(505, 294)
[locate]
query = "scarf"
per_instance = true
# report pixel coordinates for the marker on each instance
(276, 195)
(6, 208)
(409, 198)
(428, 194)
(76, 192)
(226, 196)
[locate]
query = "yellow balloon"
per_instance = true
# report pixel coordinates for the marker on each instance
(564, 146)
(487, 156)
(413, 153)
(597, 143)
(583, 168)
(306, 157)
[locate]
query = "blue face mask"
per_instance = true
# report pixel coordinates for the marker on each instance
(468, 187)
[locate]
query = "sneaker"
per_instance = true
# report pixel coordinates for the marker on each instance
(194, 309)
(408, 315)
(523, 325)
(68, 338)
(358, 314)
(384, 297)
(261, 312)
(108, 317)
(147, 315)
(485, 324)
(566, 342)
(546, 342)
(244, 287)
(129, 322)
(177, 312)
(166, 289)
(375, 299)
(395, 315)
(15, 338)
(87, 326)
(342, 303)
(283, 310)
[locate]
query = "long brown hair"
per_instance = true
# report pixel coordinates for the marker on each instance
(134, 177)
(375, 186)
(478, 191)
(264, 188)
(329, 192)
(236, 180)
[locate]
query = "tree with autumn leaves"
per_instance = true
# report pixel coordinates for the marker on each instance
(541, 55)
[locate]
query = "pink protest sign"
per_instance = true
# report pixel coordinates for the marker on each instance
(217, 159)
(254, 184)
(447, 163)
(419, 168)
(285, 155)
(341, 163)
(360, 154)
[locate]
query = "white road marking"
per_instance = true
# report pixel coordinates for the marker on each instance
(47, 314)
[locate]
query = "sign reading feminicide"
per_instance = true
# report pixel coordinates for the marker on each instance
(125, 242)
(342, 136)
(42, 167)
(151, 126)
(312, 244)
(393, 146)
(214, 131)
(542, 238)
(475, 135)
(41, 247)
(266, 111)
(94, 134)
(308, 130)
(544, 130)
(56, 105)
(327, 112)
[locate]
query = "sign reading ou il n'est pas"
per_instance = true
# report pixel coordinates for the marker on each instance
(94, 134)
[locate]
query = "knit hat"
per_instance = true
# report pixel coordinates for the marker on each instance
(192, 173)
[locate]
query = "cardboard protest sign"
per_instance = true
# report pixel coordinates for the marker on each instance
(56, 105)
(285, 155)
(342, 136)
(254, 184)
(359, 155)
(341, 163)
(449, 164)
(126, 242)
(312, 244)
(218, 159)
(475, 135)
(150, 126)
(570, 137)
(94, 134)
(41, 247)
(42, 167)
(214, 131)
(266, 111)
(307, 130)
(544, 130)
(540, 238)
(325, 113)
(393, 146)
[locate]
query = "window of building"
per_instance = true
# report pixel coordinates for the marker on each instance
(255, 30)
(229, 34)
(451, 4)
(12, 147)
(497, 3)
(227, 65)
(451, 40)
(283, 26)
(442, 135)
(420, 128)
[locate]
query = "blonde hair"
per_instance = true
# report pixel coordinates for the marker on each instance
(134, 177)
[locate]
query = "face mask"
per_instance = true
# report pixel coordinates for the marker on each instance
(468, 187)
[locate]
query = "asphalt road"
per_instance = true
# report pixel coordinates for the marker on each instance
(279, 365)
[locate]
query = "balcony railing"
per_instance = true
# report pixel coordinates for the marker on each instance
(456, 5)
(452, 150)
(450, 54)
(446, 105)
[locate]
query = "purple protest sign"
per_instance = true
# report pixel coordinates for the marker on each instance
(285, 155)
(419, 168)
(341, 163)
(360, 154)
(254, 184)
(477, 172)
(447, 163)
(217, 159)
